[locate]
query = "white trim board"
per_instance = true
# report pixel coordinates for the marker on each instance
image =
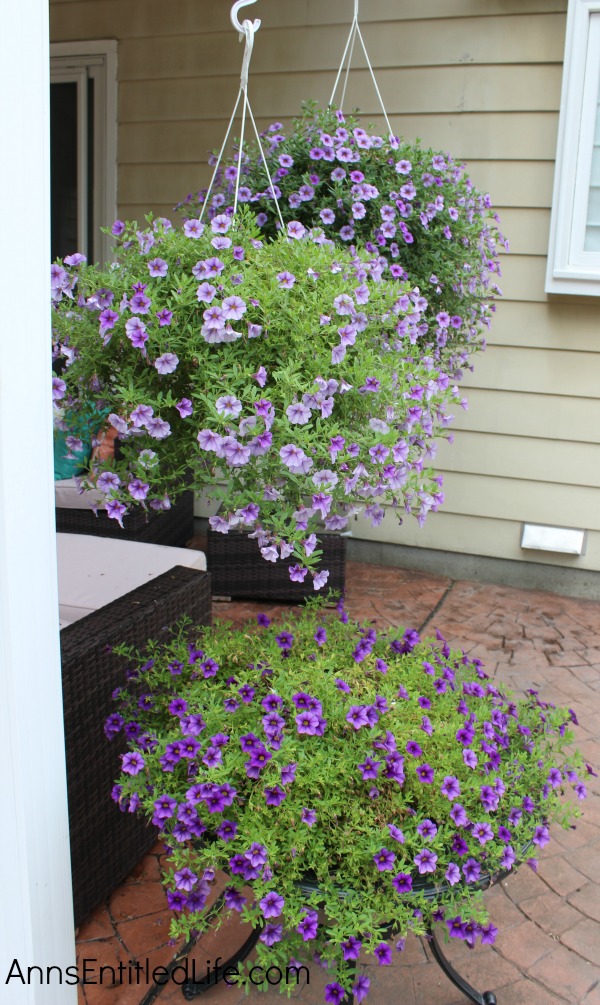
(572, 269)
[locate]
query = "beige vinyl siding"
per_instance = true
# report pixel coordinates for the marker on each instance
(480, 78)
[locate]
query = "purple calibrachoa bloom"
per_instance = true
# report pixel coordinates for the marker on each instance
(308, 926)
(396, 833)
(132, 763)
(384, 860)
(426, 861)
(361, 989)
(271, 934)
(402, 883)
(383, 954)
(357, 716)
(274, 795)
(167, 363)
(271, 905)
(334, 993)
(450, 787)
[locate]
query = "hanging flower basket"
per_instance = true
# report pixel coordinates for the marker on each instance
(245, 745)
(414, 206)
(286, 370)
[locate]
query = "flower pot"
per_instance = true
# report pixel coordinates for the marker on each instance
(238, 569)
(174, 526)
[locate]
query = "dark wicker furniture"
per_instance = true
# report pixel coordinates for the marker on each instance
(105, 843)
(238, 569)
(174, 526)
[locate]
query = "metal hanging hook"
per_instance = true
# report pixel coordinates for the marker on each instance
(235, 20)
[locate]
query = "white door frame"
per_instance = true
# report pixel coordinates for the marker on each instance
(36, 913)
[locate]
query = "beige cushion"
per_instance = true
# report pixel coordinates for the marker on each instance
(68, 496)
(92, 571)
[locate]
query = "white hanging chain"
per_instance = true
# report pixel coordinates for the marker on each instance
(348, 51)
(247, 30)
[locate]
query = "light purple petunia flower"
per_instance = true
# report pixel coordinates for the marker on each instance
(193, 228)
(234, 308)
(158, 267)
(396, 833)
(452, 874)
(209, 440)
(483, 832)
(298, 413)
(450, 787)
(166, 363)
(58, 388)
(471, 870)
(158, 428)
(164, 317)
(184, 407)
(296, 230)
(138, 490)
(357, 716)
(286, 280)
(427, 829)
(320, 579)
(228, 405)
(108, 481)
(136, 332)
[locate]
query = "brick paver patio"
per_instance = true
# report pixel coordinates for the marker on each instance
(548, 948)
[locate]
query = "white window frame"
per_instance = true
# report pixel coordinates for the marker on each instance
(571, 269)
(77, 62)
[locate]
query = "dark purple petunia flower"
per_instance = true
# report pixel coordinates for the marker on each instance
(308, 926)
(425, 774)
(274, 795)
(271, 934)
(234, 901)
(471, 870)
(351, 948)
(361, 988)
(456, 927)
(284, 640)
(383, 954)
(450, 787)
(413, 748)
(227, 830)
(308, 817)
(402, 882)
(357, 716)
(369, 768)
(271, 904)
(334, 993)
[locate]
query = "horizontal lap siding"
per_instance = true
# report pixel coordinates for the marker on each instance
(480, 78)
